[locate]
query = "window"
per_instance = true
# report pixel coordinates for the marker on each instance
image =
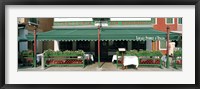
(163, 44)
(179, 20)
(33, 20)
(169, 21)
(154, 20)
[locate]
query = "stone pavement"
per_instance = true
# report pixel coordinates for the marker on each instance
(105, 66)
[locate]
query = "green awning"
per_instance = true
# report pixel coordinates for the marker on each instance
(22, 39)
(106, 34)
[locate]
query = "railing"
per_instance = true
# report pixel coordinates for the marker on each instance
(144, 61)
(177, 62)
(70, 60)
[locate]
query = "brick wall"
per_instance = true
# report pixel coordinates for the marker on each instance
(161, 25)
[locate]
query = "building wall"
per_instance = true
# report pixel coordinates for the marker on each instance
(44, 24)
(161, 25)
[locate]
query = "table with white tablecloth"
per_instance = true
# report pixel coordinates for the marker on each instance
(128, 60)
(114, 58)
(89, 57)
(39, 57)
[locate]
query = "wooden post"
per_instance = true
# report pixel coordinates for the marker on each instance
(122, 60)
(35, 48)
(99, 46)
(167, 63)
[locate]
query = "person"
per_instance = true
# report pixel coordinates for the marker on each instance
(164, 59)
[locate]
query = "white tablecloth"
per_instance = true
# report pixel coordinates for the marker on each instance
(89, 56)
(39, 57)
(131, 60)
(115, 58)
(128, 60)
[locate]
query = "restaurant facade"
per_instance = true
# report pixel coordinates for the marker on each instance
(132, 35)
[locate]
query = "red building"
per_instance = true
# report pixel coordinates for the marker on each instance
(161, 24)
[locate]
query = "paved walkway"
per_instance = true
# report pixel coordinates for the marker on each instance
(105, 66)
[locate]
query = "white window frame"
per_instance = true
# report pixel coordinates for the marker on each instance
(178, 21)
(169, 23)
(162, 48)
(155, 20)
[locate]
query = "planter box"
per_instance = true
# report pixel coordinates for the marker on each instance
(64, 61)
(28, 61)
(148, 61)
(177, 62)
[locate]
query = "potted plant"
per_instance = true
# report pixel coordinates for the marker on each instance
(27, 53)
(132, 53)
(48, 53)
(27, 57)
(156, 54)
(144, 54)
(178, 54)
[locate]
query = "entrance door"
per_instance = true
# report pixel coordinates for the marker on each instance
(103, 51)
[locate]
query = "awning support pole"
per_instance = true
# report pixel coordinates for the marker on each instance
(98, 46)
(167, 63)
(35, 48)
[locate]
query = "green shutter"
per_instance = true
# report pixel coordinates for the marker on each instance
(170, 20)
(179, 20)
(163, 44)
(153, 20)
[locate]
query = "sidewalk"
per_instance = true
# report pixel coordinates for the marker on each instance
(106, 66)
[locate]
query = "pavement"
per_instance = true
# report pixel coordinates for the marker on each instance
(105, 66)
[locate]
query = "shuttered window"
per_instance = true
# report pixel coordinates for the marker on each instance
(170, 21)
(179, 20)
(163, 44)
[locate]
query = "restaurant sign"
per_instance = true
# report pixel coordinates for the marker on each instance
(149, 38)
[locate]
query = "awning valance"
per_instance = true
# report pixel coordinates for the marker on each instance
(110, 34)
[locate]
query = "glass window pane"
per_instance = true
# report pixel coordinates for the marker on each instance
(169, 20)
(33, 20)
(153, 20)
(163, 44)
(180, 20)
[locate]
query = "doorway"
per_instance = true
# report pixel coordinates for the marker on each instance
(103, 51)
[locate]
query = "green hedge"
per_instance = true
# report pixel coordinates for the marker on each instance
(27, 53)
(141, 53)
(49, 52)
(178, 53)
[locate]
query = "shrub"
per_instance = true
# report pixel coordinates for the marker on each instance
(27, 53)
(177, 53)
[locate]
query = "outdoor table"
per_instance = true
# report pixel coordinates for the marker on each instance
(89, 57)
(115, 57)
(39, 57)
(131, 60)
(128, 60)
